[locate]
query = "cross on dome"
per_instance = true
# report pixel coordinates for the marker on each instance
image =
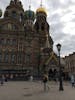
(41, 9)
(41, 3)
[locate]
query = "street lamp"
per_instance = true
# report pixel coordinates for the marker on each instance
(60, 70)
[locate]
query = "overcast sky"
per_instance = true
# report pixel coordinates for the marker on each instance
(61, 17)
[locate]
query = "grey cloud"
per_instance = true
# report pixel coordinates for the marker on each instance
(68, 45)
(3, 4)
(55, 18)
(73, 20)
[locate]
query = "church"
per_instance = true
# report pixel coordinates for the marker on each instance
(26, 45)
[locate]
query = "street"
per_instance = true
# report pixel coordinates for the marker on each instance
(34, 91)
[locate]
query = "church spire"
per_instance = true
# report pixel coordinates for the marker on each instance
(29, 4)
(41, 3)
(41, 8)
(29, 14)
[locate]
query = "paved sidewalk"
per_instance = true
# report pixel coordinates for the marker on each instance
(34, 91)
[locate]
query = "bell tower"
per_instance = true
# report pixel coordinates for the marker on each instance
(41, 23)
(42, 27)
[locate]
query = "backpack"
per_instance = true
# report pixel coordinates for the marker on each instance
(45, 79)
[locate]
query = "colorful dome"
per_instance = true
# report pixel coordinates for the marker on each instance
(0, 12)
(41, 9)
(29, 14)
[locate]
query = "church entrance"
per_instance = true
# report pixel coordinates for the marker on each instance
(53, 74)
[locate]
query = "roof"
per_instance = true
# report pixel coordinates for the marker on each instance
(41, 9)
(53, 56)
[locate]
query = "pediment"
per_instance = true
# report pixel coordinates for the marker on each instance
(52, 59)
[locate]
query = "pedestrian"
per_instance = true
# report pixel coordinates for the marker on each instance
(6, 79)
(2, 80)
(31, 78)
(45, 79)
(72, 80)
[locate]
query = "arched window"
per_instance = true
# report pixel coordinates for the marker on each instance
(0, 57)
(8, 41)
(9, 26)
(6, 57)
(13, 58)
(13, 41)
(37, 26)
(14, 27)
(21, 17)
(2, 41)
(20, 58)
(42, 26)
(14, 14)
(27, 58)
(6, 14)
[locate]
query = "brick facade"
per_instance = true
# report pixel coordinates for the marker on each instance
(23, 41)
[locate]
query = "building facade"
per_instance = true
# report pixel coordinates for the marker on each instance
(70, 64)
(26, 46)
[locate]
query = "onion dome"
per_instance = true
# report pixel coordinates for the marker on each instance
(41, 9)
(29, 15)
(0, 12)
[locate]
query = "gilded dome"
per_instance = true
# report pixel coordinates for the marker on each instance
(41, 9)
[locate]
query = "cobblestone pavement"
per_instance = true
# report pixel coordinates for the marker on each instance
(34, 91)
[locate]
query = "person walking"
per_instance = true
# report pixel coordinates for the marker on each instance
(2, 80)
(45, 79)
(72, 80)
(31, 78)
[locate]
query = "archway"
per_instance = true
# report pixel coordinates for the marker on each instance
(53, 74)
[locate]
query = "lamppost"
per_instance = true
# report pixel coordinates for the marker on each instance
(60, 69)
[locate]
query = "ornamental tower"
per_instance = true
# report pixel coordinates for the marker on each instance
(45, 52)
(14, 10)
(29, 17)
(42, 27)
